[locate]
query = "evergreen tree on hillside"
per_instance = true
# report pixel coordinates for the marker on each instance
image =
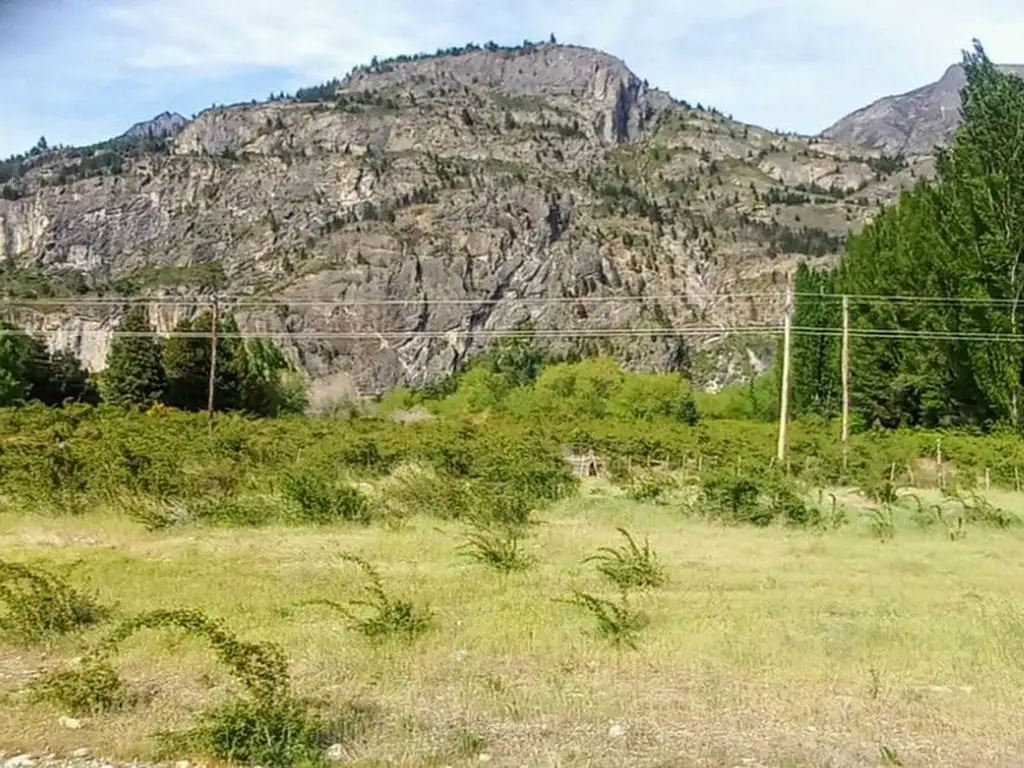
(187, 363)
(134, 374)
(21, 357)
(61, 379)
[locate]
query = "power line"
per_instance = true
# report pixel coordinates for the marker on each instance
(244, 300)
(547, 333)
(249, 301)
(555, 333)
(909, 299)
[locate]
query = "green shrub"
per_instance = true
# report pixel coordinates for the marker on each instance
(629, 566)
(977, 509)
(381, 614)
(89, 689)
(363, 453)
(39, 605)
(281, 732)
(786, 502)
(268, 725)
(650, 487)
(734, 500)
(320, 501)
(500, 548)
(412, 491)
(504, 504)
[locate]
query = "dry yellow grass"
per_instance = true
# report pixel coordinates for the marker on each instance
(767, 647)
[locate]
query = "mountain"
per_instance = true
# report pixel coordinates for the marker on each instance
(472, 191)
(912, 123)
(163, 126)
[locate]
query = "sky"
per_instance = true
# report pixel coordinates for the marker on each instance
(80, 71)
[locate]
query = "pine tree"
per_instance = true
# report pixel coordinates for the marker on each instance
(60, 379)
(134, 374)
(815, 361)
(187, 363)
(21, 357)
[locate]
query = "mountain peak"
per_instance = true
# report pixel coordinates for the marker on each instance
(914, 122)
(165, 125)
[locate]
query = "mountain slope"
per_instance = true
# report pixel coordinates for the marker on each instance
(485, 189)
(912, 123)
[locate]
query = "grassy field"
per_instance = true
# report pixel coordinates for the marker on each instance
(774, 646)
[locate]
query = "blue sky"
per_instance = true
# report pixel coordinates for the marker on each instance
(79, 71)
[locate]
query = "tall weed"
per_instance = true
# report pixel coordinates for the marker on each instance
(630, 565)
(617, 622)
(379, 614)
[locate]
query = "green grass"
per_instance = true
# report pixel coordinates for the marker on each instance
(758, 635)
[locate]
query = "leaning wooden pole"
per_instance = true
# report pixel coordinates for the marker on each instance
(846, 382)
(212, 387)
(784, 395)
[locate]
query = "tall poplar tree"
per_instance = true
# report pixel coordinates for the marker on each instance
(960, 237)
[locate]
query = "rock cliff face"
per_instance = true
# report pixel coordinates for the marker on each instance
(162, 126)
(912, 123)
(391, 224)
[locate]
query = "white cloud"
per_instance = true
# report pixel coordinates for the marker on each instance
(792, 64)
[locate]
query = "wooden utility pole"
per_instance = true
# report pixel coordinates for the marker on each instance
(213, 363)
(784, 399)
(846, 380)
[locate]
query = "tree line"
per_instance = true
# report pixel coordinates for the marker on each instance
(252, 375)
(960, 236)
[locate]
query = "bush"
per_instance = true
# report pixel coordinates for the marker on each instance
(89, 689)
(500, 548)
(650, 486)
(268, 725)
(387, 615)
(253, 732)
(734, 500)
(786, 502)
(320, 501)
(630, 566)
(412, 491)
(39, 605)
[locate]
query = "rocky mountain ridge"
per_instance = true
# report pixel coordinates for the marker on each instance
(164, 125)
(914, 122)
(387, 225)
